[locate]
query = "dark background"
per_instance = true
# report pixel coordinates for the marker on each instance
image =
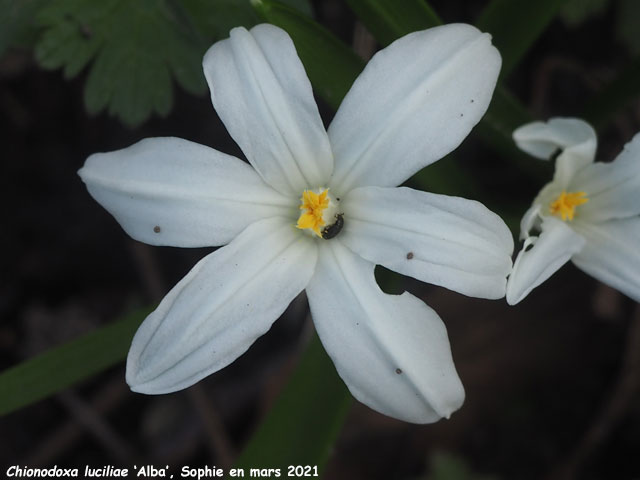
(552, 384)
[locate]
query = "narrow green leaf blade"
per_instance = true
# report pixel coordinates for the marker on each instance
(330, 64)
(504, 115)
(390, 19)
(63, 366)
(516, 25)
(305, 420)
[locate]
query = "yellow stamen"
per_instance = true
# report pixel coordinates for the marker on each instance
(314, 205)
(566, 203)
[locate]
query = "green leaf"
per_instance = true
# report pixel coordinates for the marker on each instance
(575, 12)
(63, 366)
(504, 115)
(306, 419)
(215, 18)
(17, 21)
(446, 466)
(330, 64)
(516, 25)
(390, 19)
(627, 30)
(618, 94)
(137, 46)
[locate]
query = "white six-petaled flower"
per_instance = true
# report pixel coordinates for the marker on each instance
(588, 213)
(316, 210)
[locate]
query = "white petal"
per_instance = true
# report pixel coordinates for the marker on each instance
(449, 241)
(262, 94)
(415, 101)
(552, 249)
(575, 137)
(227, 301)
(168, 191)
(611, 254)
(392, 351)
(613, 188)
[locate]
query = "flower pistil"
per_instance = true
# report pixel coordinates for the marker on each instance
(320, 213)
(565, 204)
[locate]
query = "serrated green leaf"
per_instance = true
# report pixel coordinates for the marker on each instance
(306, 419)
(137, 47)
(63, 366)
(390, 19)
(17, 22)
(516, 25)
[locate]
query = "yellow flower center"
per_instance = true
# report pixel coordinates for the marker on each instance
(566, 203)
(313, 206)
(320, 213)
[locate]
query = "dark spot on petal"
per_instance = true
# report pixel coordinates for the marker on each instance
(156, 229)
(398, 371)
(409, 255)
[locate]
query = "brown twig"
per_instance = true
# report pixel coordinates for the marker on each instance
(219, 443)
(72, 430)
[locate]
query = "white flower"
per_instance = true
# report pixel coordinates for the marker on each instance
(415, 102)
(588, 213)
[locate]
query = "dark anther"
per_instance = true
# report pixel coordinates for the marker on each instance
(333, 230)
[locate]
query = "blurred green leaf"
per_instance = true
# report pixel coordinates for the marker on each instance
(575, 12)
(215, 18)
(137, 47)
(504, 115)
(627, 28)
(63, 366)
(390, 19)
(618, 94)
(16, 22)
(306, 419)
(330, 64)
(515, 25)
(446, 466)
